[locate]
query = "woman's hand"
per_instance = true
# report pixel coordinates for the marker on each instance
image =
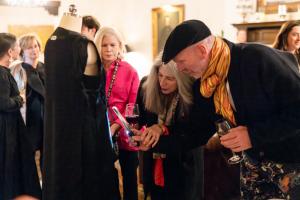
(114, 128)
(147, 138)
(138, 139)
(151, 135)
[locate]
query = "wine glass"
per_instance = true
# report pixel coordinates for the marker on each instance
(223, 126)
(132, 114)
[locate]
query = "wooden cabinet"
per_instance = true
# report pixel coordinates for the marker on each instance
(262, 32)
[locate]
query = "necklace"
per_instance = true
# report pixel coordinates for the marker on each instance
(112, 81)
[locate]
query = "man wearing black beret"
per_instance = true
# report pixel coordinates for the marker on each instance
(257, 89)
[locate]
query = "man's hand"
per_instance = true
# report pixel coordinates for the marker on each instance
(237, 139)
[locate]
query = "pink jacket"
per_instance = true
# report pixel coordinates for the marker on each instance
(123, 91)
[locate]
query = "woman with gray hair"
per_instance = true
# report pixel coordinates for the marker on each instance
(165, 98)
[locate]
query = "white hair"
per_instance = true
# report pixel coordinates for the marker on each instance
(104, 31)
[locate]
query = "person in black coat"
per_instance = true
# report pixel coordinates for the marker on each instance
(30, 77)
(257, 89)
(164, 99)
(18, 173)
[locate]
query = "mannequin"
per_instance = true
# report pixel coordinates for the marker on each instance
(73, 22)
(78, 158)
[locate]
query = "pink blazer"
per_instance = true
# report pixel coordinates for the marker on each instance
(123, 91)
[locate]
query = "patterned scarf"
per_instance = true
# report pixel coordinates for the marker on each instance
(213, 80)
(167, 118)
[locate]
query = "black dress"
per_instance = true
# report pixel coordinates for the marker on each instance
(18, 174)
(35, 93)
(78, 156)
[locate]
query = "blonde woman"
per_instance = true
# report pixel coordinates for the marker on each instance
(30, 77)
(122, 83)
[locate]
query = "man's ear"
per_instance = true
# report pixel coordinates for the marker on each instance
(201, 50)
(94, 31)
(10, 52)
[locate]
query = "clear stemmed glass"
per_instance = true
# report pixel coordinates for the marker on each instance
(223, 126)
(132, 114)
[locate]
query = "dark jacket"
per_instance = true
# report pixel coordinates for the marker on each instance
(265, 86)
(35, 94)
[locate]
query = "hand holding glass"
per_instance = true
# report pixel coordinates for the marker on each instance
(223, 126)
(132, 115)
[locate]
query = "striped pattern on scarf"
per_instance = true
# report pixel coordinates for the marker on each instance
(213, 81)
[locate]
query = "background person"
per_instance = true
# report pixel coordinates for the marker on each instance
(18, 178)
(122, 83)
(288, 38)
(30, 77)
(90, 26)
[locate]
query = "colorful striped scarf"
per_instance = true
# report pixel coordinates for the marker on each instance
(213, 80)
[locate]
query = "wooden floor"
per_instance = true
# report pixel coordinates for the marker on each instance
(117, 165)
(140, 186)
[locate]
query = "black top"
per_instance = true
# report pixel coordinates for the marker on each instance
(35, 93)
(18, 174)
(265, 86)
(78, 156)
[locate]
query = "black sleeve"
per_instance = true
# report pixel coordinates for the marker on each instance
(7, 103)
(194, 132)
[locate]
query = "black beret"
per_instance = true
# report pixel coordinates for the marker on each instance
(185, 34)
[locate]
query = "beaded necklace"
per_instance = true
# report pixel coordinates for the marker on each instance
(112, 81)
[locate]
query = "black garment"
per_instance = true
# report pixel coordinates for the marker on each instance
(18, 173)
(179, 166)
(35, 93)
(129, 163)
(78, 161)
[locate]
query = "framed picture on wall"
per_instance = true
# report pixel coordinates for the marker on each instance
(164, 20)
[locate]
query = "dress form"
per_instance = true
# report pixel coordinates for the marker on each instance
(70, 20)
(73, 22)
